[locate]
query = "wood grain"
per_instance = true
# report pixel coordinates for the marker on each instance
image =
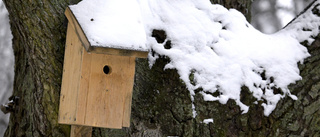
(89, 97)
(70, 79)
(79, 31)
(120, 52)
(108, 93)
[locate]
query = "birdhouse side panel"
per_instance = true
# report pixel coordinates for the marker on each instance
(110, 85)
(70, 78)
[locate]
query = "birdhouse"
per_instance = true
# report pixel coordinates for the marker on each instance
(97, 81)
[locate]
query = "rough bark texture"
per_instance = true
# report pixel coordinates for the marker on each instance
(161, 103)
(38, 28)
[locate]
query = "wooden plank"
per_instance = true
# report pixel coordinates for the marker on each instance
(70, 79)
(128, 96)
(79, 31)
(106, 99)
(120, 52)
(84, 86)
(80, 131)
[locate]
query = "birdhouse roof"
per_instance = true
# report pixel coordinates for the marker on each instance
(107, 33)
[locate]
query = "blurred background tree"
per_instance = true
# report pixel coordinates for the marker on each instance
(269, 16)
(6, 64)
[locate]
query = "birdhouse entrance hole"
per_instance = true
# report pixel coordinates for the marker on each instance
(106, 69)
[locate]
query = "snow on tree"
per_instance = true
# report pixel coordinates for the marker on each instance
(214, 50)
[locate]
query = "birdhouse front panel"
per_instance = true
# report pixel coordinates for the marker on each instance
(109, 89)
(96, 88)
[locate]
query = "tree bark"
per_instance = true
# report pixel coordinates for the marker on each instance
(161, 103)
(38, 29)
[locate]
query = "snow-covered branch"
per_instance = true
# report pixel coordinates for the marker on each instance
(306, 25)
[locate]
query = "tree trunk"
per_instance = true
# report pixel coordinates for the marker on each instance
(161, 103)
(38, 28)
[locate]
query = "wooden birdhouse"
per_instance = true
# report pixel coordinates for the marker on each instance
(97, 81)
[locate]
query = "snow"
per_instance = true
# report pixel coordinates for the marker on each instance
(111, 24)
(217, 46)
(207, 121)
